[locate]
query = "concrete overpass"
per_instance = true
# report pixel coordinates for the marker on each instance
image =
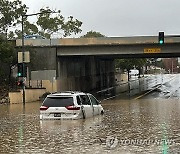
(88, 63)
(139, 46)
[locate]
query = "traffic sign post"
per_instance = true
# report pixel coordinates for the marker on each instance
(26, 57)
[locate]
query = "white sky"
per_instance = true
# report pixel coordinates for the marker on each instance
(118, 17)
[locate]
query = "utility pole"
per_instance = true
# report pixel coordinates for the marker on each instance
(23, 50)
(23, 59)
(172, 66)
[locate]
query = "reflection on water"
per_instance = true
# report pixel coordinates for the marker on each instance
(139, 126)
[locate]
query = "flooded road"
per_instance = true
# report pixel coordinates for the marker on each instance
(127, 127)
(169, 89)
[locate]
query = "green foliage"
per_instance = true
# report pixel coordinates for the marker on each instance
(30, 29)
(160, 64)
(140, 62)
(129, 64)
(10, 14)
(6, 51)
(50, 23)
(7, 59)
(93, 34)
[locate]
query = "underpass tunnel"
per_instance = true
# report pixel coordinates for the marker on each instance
(84, 73)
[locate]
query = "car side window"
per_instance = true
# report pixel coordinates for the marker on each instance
(85, 100)
(93, 100)
(78, 100)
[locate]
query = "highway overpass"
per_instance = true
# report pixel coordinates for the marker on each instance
(139, 46)
(88, 63)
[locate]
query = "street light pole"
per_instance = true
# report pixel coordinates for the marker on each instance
(23, 49)
(23, 59)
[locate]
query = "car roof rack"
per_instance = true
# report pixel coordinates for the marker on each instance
(72, 92)
(54, 92)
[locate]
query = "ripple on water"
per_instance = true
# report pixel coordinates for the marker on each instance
(25, 133)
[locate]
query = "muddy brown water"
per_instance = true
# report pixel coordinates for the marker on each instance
(128, 126)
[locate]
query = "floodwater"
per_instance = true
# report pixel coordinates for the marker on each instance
(127, 127)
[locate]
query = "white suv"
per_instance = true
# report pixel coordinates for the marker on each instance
(70, 105)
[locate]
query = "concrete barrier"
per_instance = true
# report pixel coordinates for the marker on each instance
(31, 95)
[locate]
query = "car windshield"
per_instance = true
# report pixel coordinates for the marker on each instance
(58, 101)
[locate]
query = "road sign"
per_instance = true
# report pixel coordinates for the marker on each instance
(152, 50)
(26, 57)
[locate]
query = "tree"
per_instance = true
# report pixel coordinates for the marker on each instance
(10, 14)
(139, 63)
(91, 34)
(49, 22)
(7, 59)
(125, 64)
(29, 29)
(129, 64)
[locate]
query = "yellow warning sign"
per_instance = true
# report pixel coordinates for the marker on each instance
(152, 50)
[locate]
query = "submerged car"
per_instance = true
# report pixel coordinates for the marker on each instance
(70, 105)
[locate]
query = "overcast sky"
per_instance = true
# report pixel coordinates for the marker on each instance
(118, 17)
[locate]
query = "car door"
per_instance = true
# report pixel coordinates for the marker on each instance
(86, 105)
(95, 104)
